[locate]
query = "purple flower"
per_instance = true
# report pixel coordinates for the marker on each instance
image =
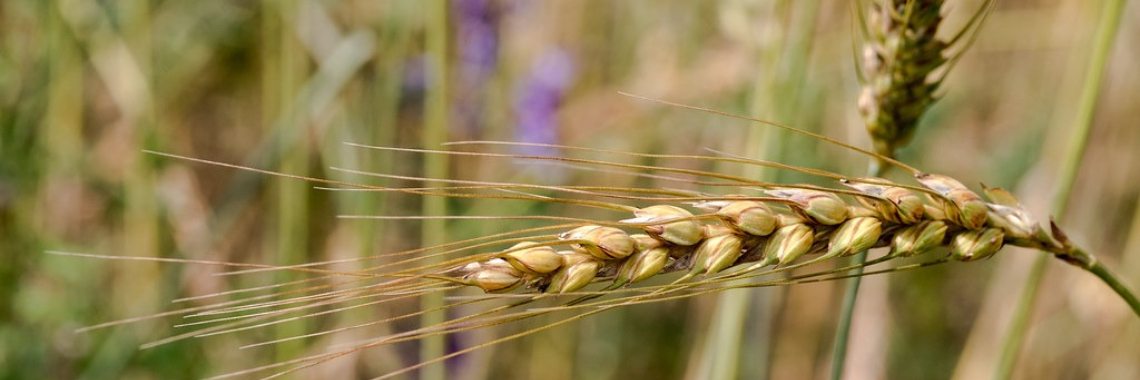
(539, 97)
(415, 76)
(478, 49)
(478, 43)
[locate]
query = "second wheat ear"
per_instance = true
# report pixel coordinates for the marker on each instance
(902, 64)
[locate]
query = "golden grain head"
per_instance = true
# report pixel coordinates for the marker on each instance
(531, 259)
(789, 243)
(643, 265)
(719, 252)
(854, 236)
(496, 276)
(577, 271)
(821, 206)
(682, 232)
(604, 243)
(976, 245)
(919, 238)
(751, 217)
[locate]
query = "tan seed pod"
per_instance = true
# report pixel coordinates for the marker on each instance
(683, 232)
(753, 218)
(1016, 223)
(973, 214)
(718, 252)
(901, 205)
(910, 206)
(714, 230)
(1000, 196)
(854, 236)
(823, 207)
(942, 209)
(577, 271)
(608, 243)
(784, 220)
(976, 245)
(643, 242)
(789, 243)
(863, 212)
(967, 209)
(643, 264)
(879, 203)
(918, 239)
(611, 242)
(574, 257)
(534, 260)
(941, 184)
(495, 275)
(577, 233)
(492, 281)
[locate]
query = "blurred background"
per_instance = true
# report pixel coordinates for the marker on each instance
(85, 86)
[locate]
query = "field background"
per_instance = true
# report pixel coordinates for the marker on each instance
(85, 86)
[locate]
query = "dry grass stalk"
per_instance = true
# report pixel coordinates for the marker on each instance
(715, 240)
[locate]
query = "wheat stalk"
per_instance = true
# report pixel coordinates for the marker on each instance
(715, 240)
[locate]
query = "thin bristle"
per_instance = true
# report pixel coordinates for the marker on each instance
(816, 136)
(762, 163)
(463, 244)
(699, 173)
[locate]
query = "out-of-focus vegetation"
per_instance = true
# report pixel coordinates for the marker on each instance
(85, 86)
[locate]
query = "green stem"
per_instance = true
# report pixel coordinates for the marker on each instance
(284, 72)
(1084, 260)
(1105, 35)
(721, 355)
(436, 120)
(847, 309)
(1119, 287)
(1019, 324)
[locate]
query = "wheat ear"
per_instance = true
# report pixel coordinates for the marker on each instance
(739, 237)
(715, 240)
